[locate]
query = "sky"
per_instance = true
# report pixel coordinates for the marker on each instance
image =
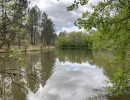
(56, 10)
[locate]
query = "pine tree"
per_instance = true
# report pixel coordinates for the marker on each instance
(48, 30)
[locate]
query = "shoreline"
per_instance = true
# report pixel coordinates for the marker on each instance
(29, 49)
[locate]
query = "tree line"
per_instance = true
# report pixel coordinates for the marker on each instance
(20, 24)
(73, 40)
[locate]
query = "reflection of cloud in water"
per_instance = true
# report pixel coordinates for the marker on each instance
(73, 66)
(71, 81)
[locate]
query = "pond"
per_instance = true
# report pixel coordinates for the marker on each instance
(62, 74)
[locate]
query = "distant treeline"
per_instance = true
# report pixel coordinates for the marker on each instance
(73, 40)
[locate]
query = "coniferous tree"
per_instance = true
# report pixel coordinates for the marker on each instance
(48, 30)
(34, 15)
(12, 15)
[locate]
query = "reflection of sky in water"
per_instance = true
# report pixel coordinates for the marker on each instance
(71, 81)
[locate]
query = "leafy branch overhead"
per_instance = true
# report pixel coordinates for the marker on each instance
(111, 18)
(76, 4)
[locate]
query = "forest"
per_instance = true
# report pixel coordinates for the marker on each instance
(24, 26)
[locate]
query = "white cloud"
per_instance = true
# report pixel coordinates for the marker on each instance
(70, 29)
(57, 11)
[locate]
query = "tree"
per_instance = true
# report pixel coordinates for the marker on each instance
(20, 35)
(112, 21)
(111, 18)
(43, 25)
(33, 22)
(47, 29)
(73, 40)
(12, 15)
(63, 33)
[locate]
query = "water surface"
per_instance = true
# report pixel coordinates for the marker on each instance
(61, 74)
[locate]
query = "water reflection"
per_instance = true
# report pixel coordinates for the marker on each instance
(98, 58)
(17, 77)
(62, 75)
(71, 81)
(77, 55)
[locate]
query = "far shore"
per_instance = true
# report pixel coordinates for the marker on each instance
(28, 49)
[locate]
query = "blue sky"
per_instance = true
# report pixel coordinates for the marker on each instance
(57, 11)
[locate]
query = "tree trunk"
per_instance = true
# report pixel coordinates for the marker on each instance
(1, 45)
(19, 42)
(41, 37)
(8, 45)
(35, 35)
(34, 38)
(31, 36)
(49, 41)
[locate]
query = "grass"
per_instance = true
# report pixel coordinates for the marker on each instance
(28, 49)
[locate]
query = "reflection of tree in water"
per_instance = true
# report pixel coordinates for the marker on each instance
(47, 62)
(31, 67)
(74, 55)
(13, 80)
(98, 58)
(17, 77)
